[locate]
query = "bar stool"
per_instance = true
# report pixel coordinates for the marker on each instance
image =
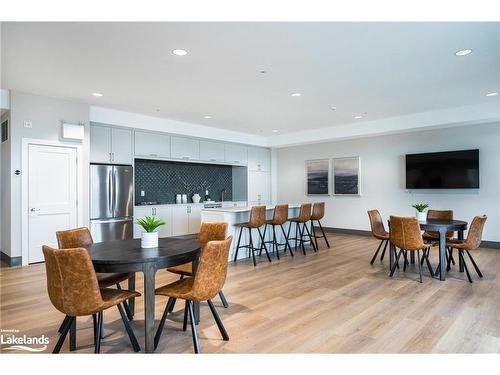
(280, 217)
(303, 218)
(257, 220)
(318, 212)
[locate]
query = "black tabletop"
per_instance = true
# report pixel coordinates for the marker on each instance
(436, 224)
(127, 255)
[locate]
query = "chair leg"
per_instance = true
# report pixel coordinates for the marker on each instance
(128, 328)
(419, 266)
(287, 244)
(97, 339)
(185, 320)
(324, 235)
(222, 330)
(238, 245)
(383, 251)
(172, 303)
(461, 255)
(196, 343)
(376, 252)
(72, 335)
(301, 234)
(429, 266)
(395, 263)
(262, 239)
(223, 299)
(252, 250)
(275, 243)
(474, 264)
(313, 234)
(61, 327)
(310, 238)
(405, 260)
(263, 244)
(159, 330)
(64, 332)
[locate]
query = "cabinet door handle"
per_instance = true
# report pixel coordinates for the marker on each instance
(213, 159)
(236, 161)
(185, 157)
(153, 155)
(110, 157)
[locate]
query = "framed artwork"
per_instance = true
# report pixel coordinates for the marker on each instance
(346, 176)
(318, 177)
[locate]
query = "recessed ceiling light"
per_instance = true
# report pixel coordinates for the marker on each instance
(463, 52)
(97, 94)
(333, 108)
(275, 130)
(179, 52)
(358, 117)
(207, 116)
(296, 94)
(492, 94)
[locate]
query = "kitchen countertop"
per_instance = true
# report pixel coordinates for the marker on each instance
(183, 204)
(244, 209)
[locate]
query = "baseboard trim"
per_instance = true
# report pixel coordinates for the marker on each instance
(11, 262)
(357, 232)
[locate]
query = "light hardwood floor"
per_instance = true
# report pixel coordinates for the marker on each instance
(332, 301)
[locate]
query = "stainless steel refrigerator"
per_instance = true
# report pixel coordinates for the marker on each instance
(111, 215)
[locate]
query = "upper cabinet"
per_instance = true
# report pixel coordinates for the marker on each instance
(235, 154)
(212, 151)
(152, 144)
(185, 148)
(259, 159)
(110, 145)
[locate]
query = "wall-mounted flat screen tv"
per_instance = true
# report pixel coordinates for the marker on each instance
(443, 170)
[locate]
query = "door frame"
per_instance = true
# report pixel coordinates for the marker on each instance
(26, 142)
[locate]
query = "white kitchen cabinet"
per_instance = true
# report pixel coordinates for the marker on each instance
(110, 145)
(194, 218)
(160, 211)
(212, 151)
(234, 204)
(259, 187)
(186, 219)
(185, 148)
(151, 144)
(259, 159)
(235, 154)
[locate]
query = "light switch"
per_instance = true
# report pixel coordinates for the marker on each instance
(28, 124)
(142, 193)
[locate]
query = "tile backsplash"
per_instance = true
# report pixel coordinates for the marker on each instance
(162, 180)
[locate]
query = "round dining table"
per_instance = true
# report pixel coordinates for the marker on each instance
(127, 256)
(441, 227)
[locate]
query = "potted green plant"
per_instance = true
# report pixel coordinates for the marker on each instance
(421, 214)
(150, 224)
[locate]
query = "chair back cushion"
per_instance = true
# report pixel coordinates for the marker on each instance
(475, 233)
(73, 238)
(377, 224)
(212, 232)
(305, 212)
(212, 269)
(71, 281)
(280, 215)
(318, 211)
(257, 216)
(405, 233)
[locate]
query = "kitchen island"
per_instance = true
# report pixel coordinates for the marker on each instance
(235, 215)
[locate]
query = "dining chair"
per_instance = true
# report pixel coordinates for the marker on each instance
(74, 290)
(81, 237)
(379, 232)
(301, 232)
(405, 234)
(208, 232)
(472, 242)
(318, 213)
(208, 280)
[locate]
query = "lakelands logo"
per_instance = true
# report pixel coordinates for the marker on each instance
(15, 341)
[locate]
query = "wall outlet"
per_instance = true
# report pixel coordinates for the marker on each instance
(28, 124)
(142, 193)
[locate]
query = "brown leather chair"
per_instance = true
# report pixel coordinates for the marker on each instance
(257, 220)
(437, 214)
(318, 213)
(379, 232)
(207, 282)
(81, 237)
(208, 232)
(74, 290)
(280, 217)
(405, 235)
(472, 242)
(303, 218)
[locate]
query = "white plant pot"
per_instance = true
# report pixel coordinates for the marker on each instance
(196, 198)
(149, 240)
(422, 216)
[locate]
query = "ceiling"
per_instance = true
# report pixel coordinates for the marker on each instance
(243, 74)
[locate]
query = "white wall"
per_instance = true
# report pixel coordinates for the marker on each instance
(383, 176)
(46, 115)
(5, 191)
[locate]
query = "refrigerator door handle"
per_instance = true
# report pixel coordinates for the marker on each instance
(110, 192)
(115, 192)
(119, 220)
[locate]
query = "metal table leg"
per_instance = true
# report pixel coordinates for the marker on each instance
(460, 260)
(131, 301)
(149, 271)
(442, 254)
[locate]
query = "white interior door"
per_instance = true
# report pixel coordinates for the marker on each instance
(52, 195)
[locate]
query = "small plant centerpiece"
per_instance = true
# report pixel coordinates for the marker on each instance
(150, 224)
(421, 214)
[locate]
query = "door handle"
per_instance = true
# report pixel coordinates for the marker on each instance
(34, 209)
